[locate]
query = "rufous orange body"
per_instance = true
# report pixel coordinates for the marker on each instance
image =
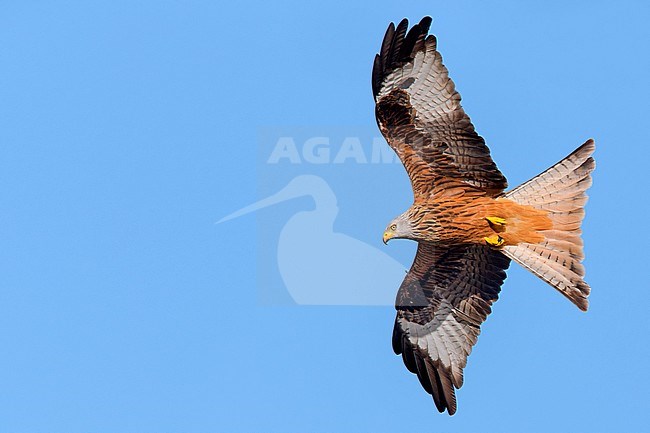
(464, 217)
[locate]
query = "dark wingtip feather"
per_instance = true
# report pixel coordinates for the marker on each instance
(439, 393)
(386, 44)
(376, 72)
(423, 374)
(397, 42)
(425, 23)
(397, 48)
(397, 339)
(448, 390)
(435, 379)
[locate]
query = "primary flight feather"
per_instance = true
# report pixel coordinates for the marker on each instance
(466, 226)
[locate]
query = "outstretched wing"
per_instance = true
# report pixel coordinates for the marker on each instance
(441, 304)
(419, 113)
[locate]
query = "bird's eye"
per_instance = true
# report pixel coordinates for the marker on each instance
(393, 227)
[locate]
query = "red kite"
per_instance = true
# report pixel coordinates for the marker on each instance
(466, 225)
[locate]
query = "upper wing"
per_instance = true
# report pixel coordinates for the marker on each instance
(419, 113)
(441, 304)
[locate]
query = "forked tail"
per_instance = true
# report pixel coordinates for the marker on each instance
(560, 191)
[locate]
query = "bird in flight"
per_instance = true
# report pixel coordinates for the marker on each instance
(467, 226)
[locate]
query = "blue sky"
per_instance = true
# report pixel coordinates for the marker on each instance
(127, 129)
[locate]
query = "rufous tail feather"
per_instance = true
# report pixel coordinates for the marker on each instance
(560, 191)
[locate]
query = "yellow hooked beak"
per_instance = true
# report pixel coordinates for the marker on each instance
(388, 236)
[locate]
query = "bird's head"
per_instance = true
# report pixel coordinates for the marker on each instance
(399, 228)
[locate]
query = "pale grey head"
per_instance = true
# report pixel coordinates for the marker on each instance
(399, 228)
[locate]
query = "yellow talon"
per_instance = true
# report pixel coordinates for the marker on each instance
(497, 221)
(497, 224)
(494, 240)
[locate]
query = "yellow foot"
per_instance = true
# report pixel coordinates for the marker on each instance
(494, 240)
(497, 224)
(497, 221)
